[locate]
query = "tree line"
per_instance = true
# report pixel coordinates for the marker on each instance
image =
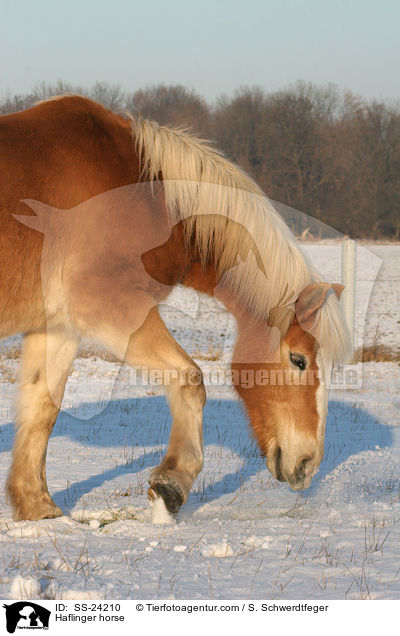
(330, 154)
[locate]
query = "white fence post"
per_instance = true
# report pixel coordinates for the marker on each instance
(348, 298)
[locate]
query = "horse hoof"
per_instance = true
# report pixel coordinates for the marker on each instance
(54, 513)
(45, 511)
(169, 493)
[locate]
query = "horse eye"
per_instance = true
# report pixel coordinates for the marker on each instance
(298, 360)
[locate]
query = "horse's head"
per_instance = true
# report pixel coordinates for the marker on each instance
(286, 398)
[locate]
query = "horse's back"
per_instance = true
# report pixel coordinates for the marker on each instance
(61, 152)
(64, 151)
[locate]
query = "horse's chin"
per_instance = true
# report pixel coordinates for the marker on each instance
(303, 485)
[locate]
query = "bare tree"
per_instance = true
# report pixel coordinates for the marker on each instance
(332, 155)
(173, 105)
(110, 96)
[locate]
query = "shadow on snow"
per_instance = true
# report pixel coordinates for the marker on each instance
(129, 423)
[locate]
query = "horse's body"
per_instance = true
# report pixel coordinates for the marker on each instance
(125, 210)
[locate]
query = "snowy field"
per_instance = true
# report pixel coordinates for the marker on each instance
(242, 534)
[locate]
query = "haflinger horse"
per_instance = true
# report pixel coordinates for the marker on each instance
(102, 214)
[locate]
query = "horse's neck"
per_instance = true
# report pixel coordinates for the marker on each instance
(257, 342)
(201, 278)
(205, 279)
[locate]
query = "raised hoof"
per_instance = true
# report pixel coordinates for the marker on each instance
(169, 493)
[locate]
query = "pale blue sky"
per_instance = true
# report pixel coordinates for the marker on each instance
(213, 47)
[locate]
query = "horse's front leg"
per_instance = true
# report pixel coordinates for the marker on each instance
(153, 347)
(174, 477)
(46, 360)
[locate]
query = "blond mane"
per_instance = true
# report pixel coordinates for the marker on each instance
(229, 215)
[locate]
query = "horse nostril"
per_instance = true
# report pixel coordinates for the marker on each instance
(278, 470)
(300, 471)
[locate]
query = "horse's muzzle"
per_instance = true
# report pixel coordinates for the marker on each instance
(298, 478)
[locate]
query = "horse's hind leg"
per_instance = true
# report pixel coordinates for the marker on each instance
(153, 347)
(46, 360)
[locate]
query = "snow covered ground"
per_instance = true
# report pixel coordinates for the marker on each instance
(242, 534)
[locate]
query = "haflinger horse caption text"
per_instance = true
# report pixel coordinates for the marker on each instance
(174, 616)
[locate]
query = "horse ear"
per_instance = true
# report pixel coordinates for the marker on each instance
(39, 222)
(337, 288)
(311, 299)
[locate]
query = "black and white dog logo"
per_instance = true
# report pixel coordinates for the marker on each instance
(26, 615)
